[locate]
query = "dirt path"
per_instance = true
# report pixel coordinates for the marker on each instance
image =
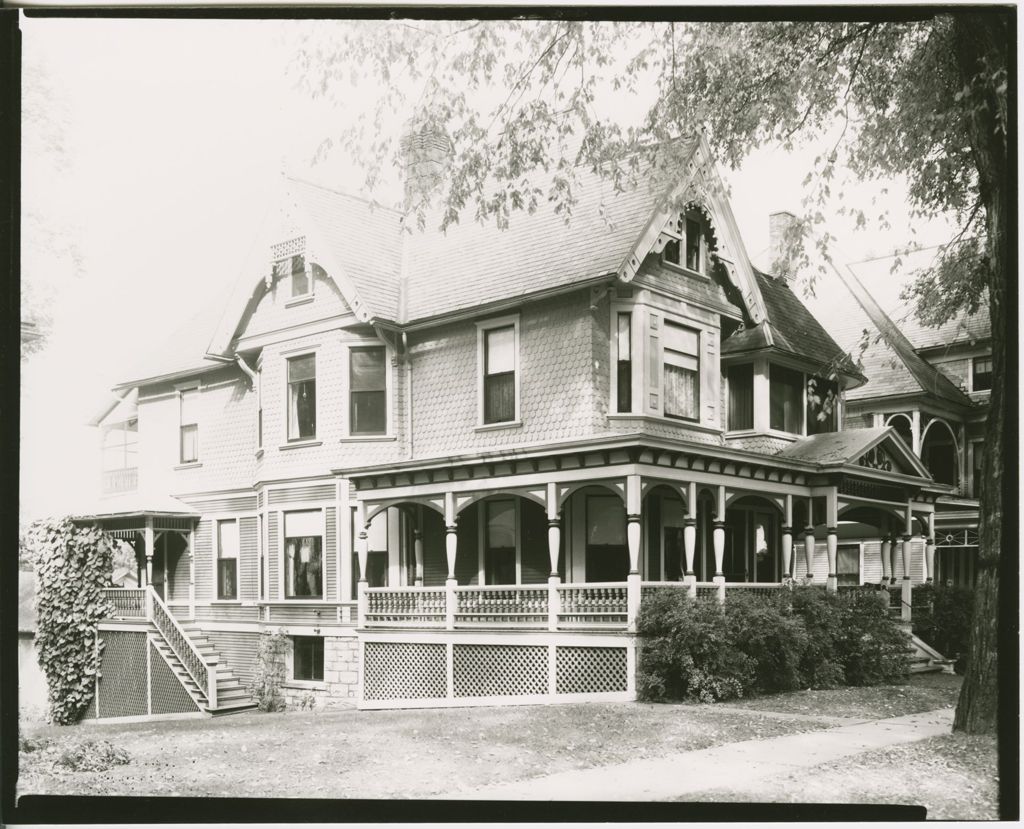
(677, 775)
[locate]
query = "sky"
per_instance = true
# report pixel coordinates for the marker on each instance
(174, 136)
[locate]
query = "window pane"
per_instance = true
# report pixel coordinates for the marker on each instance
(227, 582)
(681, 392)
(303, 565)
(368, 413)
(307, 522)
(982, 380)
(302, 410)
(189, 444)
(227, 539)
(693, 245)
(366, 369)
(190, 406)
(500, 350)
(622, 342)
(308, 658)
(500, 398)
(786, 399)
(741, 397)
(683, 340)
(848, 565)
(624, 387)
(302, 368)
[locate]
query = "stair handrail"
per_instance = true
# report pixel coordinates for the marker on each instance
(202, 672)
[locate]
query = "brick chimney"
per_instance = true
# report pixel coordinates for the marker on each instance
(426, 152)
(779, 224)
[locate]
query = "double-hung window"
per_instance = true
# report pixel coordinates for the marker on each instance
(848, 565)
(681, 372)
(227, 559)
(786, 400)
(741, 397)
(367, 374)
(189, 425)
(303, 554)
(499, 347)
(981, 374)
(624, 362)
(302, 397)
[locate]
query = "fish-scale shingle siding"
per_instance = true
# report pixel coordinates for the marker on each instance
(277, 309)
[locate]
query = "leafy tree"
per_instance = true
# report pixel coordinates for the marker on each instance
(923, 98)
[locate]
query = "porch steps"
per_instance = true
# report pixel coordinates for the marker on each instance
(924, 659)
(231, 694)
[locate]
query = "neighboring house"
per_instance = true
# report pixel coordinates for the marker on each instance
(32, 686)
(931, 384)
(449, 465)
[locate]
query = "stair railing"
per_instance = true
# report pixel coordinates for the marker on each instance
(202, 672)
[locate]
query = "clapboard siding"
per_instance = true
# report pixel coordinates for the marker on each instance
(273, 564)
(238, 503)
(871, 568)
(330, 557)
(249, 561)
(177, 589)
(316, 492)
(227, 613)
(237, 651)
(204, 561)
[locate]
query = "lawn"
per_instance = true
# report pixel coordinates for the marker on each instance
(382, 754)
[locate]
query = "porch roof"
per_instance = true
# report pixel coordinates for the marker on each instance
(137, 505)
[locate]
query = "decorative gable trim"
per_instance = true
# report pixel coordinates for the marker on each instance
(701, 185)
(889, 453)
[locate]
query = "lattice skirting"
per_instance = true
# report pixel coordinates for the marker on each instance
(132, 685)
(427, 674)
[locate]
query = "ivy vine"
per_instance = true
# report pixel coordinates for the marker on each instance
(269, 675)
(73, 564)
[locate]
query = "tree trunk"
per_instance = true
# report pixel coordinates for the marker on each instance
(981, 45)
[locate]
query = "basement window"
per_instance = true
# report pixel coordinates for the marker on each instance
(308, 658)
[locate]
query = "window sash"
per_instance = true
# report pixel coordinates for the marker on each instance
(693, 245)
(302, 409)
(848, 565)
(189, 406)
(189, 444)
(500, 397)
(785, 404)
(499, 350)
(741, 397)
(308, 658)
(681, 391)
(302, 368)
(981, 374)
(227, 578)
(303, 567)
(366, 369)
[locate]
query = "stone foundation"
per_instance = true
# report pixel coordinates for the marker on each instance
(341, 678)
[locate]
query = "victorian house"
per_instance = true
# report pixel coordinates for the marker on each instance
(449, 466)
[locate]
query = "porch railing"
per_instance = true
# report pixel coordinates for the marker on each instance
(502, 605)
(405, 607)
(763, 588)
(202, 672)
(590, 604)
(128, 602)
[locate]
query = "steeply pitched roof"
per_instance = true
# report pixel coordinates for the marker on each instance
(790, 328)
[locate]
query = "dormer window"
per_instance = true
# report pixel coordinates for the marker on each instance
(301, 281)
(690, 251)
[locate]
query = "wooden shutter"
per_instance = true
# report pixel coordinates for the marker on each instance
(710, 379)
(652, 364)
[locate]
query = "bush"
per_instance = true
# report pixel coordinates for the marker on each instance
(92, 755)
(686, 652)
(27, 745)
(942, 618)
(269, 675)
(804, 638)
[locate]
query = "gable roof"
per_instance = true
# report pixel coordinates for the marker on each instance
(791, 328)
(849, 445)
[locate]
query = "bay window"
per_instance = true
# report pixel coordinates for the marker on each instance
(681, 372)
(624, 362)
(302, 397)
(303, 552)
(367, 391)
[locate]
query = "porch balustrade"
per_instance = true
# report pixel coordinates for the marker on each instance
(763, 588)
(128, 602)
(592, 604)
(502, 605)
(405, 607)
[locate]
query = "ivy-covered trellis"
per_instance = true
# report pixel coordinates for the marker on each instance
(73, 564)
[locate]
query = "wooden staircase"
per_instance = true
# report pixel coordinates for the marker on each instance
(231, 694)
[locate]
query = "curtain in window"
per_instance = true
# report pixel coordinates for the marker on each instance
(302, 550)
(499, 375)
(302, 397)
(367, 391)
(681, 373)
(785, 399)
(227, 559)
(848, 565)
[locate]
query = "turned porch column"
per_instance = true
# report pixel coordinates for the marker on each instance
(554, 543)
(149, 550)
(363, 554)
(718, 542)
(787, 539)
(929, 549)
(451, 545)
(906, 593)
(690, 538)
(417, 547)
(633, 541)
(832, 539)
(886, 552)
(191, 574)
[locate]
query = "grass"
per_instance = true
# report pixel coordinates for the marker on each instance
(953, 777)
(383, 754)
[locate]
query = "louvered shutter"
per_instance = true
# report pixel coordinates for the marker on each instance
(710, 379)
(652, 370)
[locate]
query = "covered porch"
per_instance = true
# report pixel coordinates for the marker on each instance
(572, 538)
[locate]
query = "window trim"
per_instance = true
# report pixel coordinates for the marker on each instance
(306, 683)
(636, 359)
(704, 253)
(666, 321)
(282, 544)
(860, 560)
(971, 389)
(389, 432)
(307, 266)
(236, 520)
(803, 400)
(179, 390)
(482, 327)
(313, 351)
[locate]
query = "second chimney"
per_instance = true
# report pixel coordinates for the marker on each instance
(779, 224)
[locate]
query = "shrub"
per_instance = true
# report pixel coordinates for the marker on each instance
(72, 566)
(92, 755)
(269, 674)
(764, 628)
(871, 647)
(942, 618)
(819, 664)
(686, 652)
